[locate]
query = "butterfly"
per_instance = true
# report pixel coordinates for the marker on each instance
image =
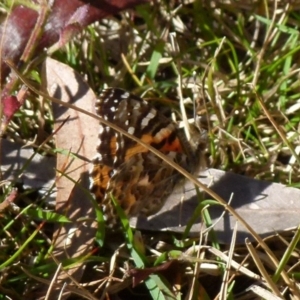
(137, 178)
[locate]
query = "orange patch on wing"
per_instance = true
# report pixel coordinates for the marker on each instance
(112, 146)
(163, 135)
(175, 146)
(101, 175)
(137, 148)
(147, 138)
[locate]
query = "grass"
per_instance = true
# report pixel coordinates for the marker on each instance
(243, 63)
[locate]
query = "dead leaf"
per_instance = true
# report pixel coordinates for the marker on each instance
(268, 207)
(39, 173)
(77, 140)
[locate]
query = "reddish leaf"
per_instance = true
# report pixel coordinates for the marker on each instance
(139, 275)
(10, 105)
(15, 32)
(9, 199)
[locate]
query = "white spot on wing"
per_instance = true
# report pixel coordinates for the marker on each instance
(101, 129)
(163, 132)
(137, 105)
(125, 95)
(149, 117)
(131, 130)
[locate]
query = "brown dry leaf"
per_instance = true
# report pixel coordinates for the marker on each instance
(77, 138)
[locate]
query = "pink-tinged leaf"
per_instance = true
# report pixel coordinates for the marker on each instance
(10, 105)
(9, 199)
(74, 25)
(68, 33)
(14, 35)
(79, 16)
